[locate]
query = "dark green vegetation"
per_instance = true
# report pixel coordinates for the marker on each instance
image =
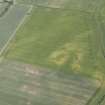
(6, 5)
(2, 9)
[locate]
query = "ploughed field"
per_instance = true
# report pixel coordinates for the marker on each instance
(24, 84)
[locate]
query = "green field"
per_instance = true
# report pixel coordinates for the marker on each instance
(57, 56)
(59, 39)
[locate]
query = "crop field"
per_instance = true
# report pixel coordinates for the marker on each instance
(52, 52)
(54, 42)
(23, 84)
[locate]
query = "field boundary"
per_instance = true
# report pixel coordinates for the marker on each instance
(39, 5)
